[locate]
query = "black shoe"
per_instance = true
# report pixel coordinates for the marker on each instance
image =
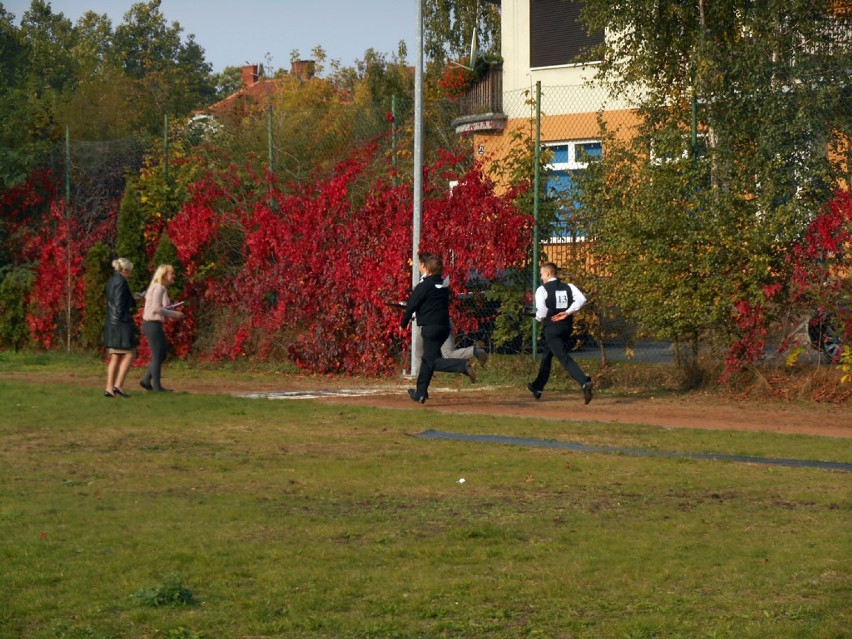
(118, 391)
(145, 385)
(468, 370)
(587, 392)
(536, 393)
(108, 394)
(415, 397)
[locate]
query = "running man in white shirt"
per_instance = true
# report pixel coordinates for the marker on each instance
(555, 304)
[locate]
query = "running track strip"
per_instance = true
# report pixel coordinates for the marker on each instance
(546, 443)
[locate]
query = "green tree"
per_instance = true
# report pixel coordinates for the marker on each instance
(130, 240)
(166, 253)
(97, 268)
(229, 81)
(380, 79)
(15, 285)
(16, 143)
(12, 51)
(34, 67)
(51, 38)
(92, 51)
(738, 104)
(101, 105)
(448, 28)
(170, 75)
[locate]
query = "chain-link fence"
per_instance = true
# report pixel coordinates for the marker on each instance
(92, 175)
(568, 122)
(296, 138)
(575, 126)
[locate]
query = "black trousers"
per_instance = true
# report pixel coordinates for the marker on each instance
(434, 335)
(159, 350)
(557, 337)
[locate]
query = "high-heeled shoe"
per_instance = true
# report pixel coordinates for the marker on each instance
(119, 392)
(108, 394)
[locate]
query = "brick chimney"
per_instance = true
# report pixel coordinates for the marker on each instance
(303, 69)
(250, 75)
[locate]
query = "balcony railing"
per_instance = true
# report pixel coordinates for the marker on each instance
(486, 96)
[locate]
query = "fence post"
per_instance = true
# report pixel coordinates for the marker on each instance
(166, 150)
(393, 138)
(536, 184)
(269, 140)
(67, 238)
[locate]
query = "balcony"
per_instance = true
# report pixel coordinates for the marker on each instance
(481, 108)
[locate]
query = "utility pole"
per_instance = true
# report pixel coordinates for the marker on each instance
(418, 173)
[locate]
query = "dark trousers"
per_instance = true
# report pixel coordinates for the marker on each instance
(159, 350)
(556, 343)
(434, 335)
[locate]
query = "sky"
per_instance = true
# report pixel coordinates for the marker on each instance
(238, 32)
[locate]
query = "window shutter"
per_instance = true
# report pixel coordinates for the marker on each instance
(556, 34)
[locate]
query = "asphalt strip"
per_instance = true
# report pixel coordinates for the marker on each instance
(546, 443)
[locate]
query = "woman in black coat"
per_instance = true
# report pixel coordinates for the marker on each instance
(430, 300)
(119, 331)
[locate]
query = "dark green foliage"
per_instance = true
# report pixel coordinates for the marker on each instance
(14, 288)
(130, 242)
(166, 253)
(184, 633)
(170, 593)
(448, 27)
(55, 73)
(742, 105)
(97, 268)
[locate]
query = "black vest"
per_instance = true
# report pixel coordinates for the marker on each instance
(559, 298)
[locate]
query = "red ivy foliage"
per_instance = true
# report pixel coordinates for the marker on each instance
(820, 279)
(303, 270)
(821, 261)
(456, 80)
(58, 249)
(319, 261)
(39, 233)
(22, 207)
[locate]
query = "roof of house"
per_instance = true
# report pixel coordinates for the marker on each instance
(256, 91)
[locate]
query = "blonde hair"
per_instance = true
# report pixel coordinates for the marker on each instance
(122, 264)
(162, 269)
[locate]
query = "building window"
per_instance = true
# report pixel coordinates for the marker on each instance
(568, 160)
(557, 36)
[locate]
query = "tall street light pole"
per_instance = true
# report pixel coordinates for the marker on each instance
(418, 172)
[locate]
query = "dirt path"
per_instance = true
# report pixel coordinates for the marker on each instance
(693, 411)
(702, 411)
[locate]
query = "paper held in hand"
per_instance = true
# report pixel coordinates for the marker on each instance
(172, 307)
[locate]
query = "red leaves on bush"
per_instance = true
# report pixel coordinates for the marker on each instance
(820, 277)
(822, 258)
(59, 249)
(302, 271)
(195, 226)
(751, 345)
(22, 207)
(456, 81)
(319, 261)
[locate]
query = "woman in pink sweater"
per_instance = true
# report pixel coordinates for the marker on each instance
(158, 307)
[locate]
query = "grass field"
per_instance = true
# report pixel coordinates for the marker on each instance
(190, 516)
